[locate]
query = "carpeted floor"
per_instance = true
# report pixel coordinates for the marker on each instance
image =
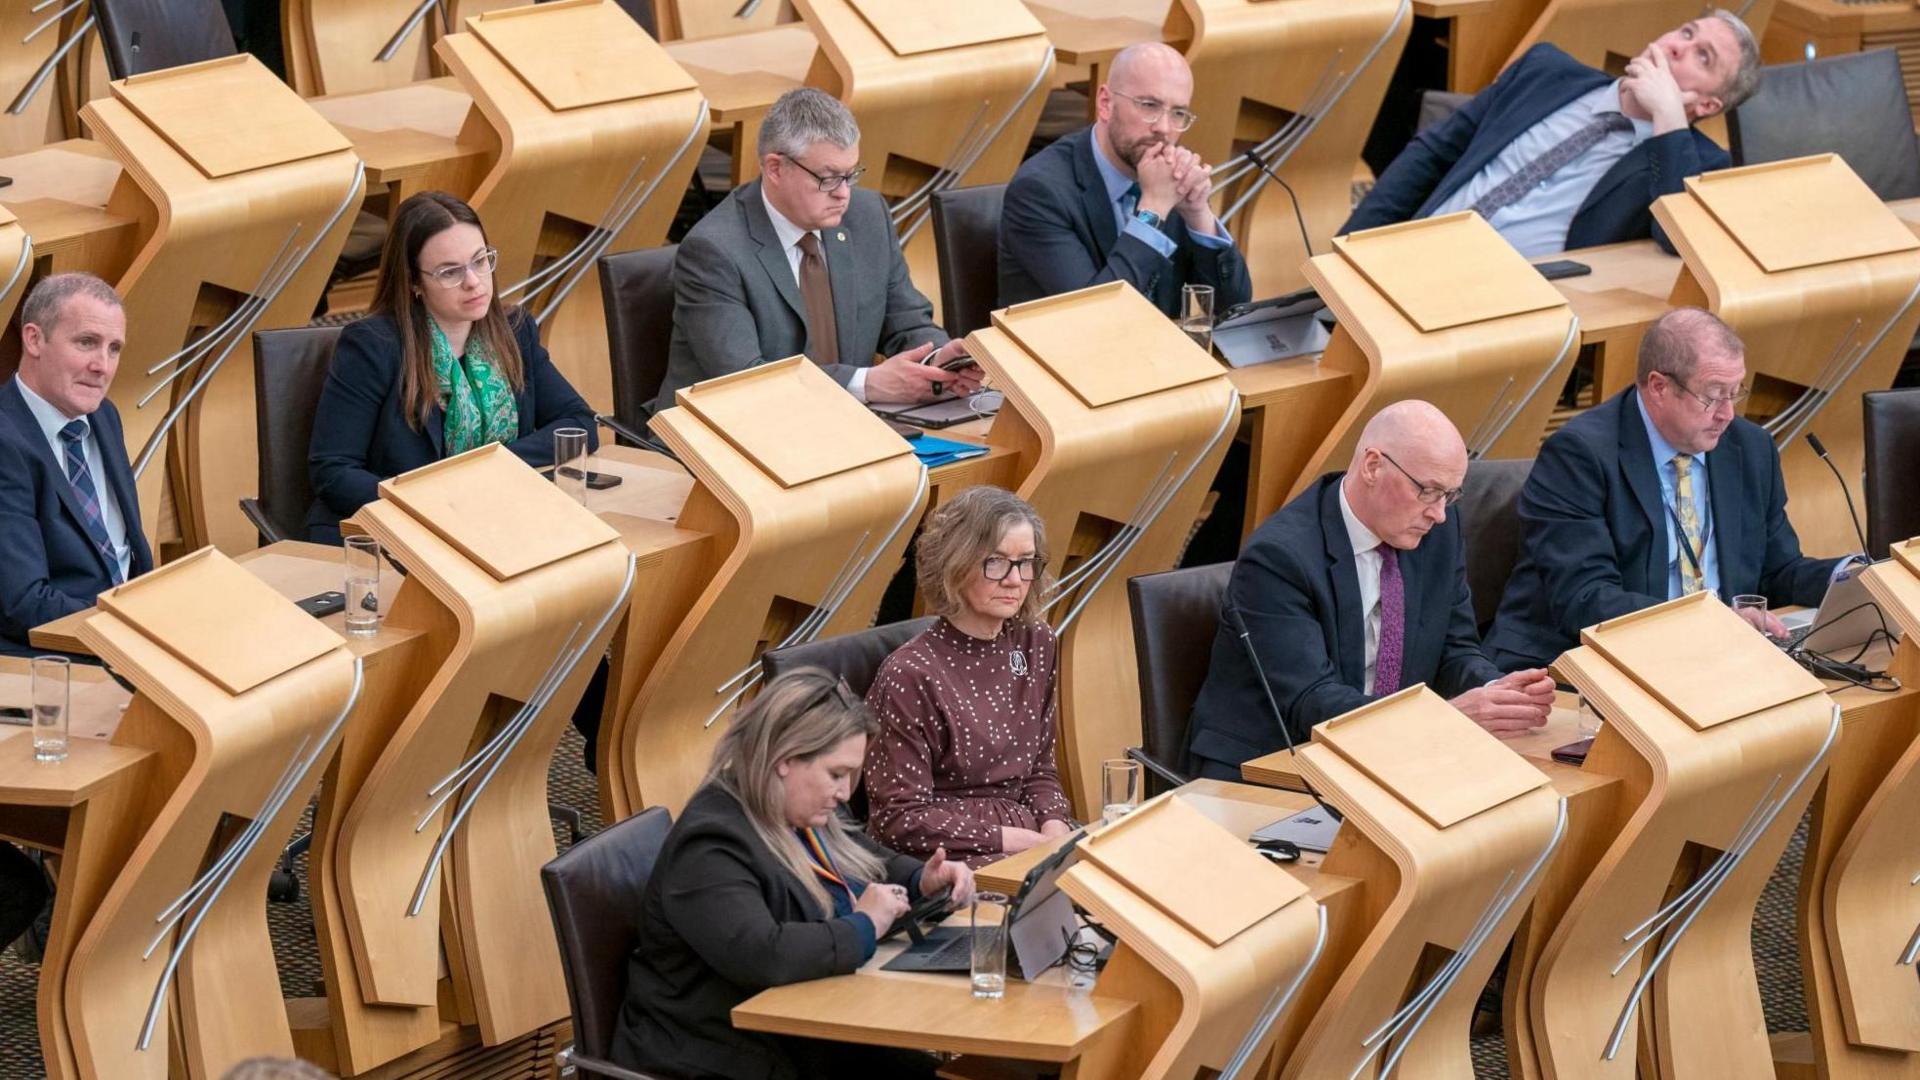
(569, 784)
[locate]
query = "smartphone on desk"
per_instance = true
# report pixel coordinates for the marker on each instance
(321, 605)
(1562, 268)
(596, 481)
(18, 715)
(1574, 753)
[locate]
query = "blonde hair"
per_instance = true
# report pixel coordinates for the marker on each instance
(961, 534)
(798, 716)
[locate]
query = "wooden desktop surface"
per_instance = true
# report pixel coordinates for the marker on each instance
(407, 130)
(1448, 9)
(1092, 31)
(743, 74)
(59, 193)
(92, 761)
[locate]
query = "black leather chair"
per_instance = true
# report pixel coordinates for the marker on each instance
(1893, 467)
(636, 289)
(1853, 105)
(289, 368)
(594, 892)
(1175, 617)
(966, 245)
(1489, 510)
(147, 35)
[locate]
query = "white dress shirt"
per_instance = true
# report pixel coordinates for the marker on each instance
(51, 420)
(790, 235)
(1367, 562)
(1536, 224)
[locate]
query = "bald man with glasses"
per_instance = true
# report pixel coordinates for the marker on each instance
(1659, 492)
(1122, 200)
(1355, 590)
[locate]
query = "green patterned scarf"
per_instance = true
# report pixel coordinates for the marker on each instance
(479, 404)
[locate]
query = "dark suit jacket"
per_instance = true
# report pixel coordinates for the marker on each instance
(1057, 234)
(1440, 160)
(736, 305)
(1297, 588)
(1593, 542)
(721, 920)
(49, 567)
(360, 431)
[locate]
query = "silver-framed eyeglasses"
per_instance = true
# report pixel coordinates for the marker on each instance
(997, 567)
(452, 277)
(1153, 109)
(1428, 493)
(830, 182)
(1711, 403)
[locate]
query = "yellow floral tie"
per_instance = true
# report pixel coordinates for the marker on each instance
(1690, 582)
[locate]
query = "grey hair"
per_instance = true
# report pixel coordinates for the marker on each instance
(1675, 343)
(1746, 76)
(49, 297)
(803, 117)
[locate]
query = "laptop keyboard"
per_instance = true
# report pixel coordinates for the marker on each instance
(955, 950)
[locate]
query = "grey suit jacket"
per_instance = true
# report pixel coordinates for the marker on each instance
(735, 303)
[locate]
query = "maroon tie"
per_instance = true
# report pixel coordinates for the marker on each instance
(1393, 624)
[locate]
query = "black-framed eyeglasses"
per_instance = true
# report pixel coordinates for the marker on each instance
(1429, 493)
(830, 182)
(1153, 109)
(997, 567)
(1711, 403)
(452, 277)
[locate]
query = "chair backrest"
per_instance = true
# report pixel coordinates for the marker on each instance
(147, 35)
(966, 245)
(1489, 510)
(289, 368)
(854, 657)
(1853, 105)
(594, 891)
(1175, 617)
(636, 288)
(1893, 467)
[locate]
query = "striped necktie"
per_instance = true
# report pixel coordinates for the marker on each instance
(73, 437)
(1690, 581)
(1515, 187)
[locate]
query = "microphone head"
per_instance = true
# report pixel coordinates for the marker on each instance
(1814, 441)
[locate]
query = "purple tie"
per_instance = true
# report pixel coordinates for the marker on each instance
(1393, 624)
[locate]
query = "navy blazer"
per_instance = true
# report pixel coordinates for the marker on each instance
(1593, 543)
(49, 566)
(1297, 589)
(1441, 159)
(1057, 234)
(360, 431)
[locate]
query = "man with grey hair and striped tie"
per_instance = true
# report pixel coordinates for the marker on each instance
(1556, 155)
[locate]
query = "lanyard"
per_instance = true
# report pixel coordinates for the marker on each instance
(823, 862)
(1696, 559)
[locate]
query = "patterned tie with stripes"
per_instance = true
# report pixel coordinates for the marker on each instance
(1690, 582)
(73, 437)
(1513, 188)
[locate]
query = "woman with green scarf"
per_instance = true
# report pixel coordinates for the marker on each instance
(437, 368)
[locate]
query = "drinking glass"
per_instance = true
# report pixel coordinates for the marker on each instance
(570, 461)
(363, 586)
(1589, 719)
(1750, 602)
(1196, 314)
(989, 944)
(1120, 780)
(52, 694)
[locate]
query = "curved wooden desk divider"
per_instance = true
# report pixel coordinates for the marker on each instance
(598, 131)
(1820, 280)
(1119, 422)
(1441, 309)
(242, 193)
(1720, 741)
(679, 20)
(1300, 82)
(1214, 941)
(946, 95)
(351, 46)
(30, 37)
(16, 260)
(1451, 830)
(810, 500)
(517, 588)
(242, 695)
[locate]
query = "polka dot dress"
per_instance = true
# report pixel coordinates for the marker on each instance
(966, 741)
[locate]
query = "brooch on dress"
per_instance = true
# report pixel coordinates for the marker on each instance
(1017, 662)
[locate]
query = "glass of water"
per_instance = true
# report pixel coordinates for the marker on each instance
(1120, 780)
(570, 461)
(989, 944)
(1196, 314)
(363, 586)
(52, 695)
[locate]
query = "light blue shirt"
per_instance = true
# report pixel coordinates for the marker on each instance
(51, 420)
(1536, 223)
(1663, 455)
(1117, 184)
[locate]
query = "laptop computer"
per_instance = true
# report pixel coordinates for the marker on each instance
(1041, 926)
(1846, 619)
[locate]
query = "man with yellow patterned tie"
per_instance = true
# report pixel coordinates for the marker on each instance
(1659, 492)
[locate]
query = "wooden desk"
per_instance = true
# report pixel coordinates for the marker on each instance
(1449, 9)
(60, 194)
(414, 138)
(1627, 290)
(1090, 32)
(92, 763)
(742, 75)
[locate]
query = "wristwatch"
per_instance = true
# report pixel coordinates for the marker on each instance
(1148, 218)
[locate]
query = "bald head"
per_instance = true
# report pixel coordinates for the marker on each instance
(1147, 84)
(1150, 63)
(1407, 449)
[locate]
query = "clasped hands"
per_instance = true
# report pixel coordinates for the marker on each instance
(1173, 178)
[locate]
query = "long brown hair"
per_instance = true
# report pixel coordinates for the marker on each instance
(420, 218)
(800, 715)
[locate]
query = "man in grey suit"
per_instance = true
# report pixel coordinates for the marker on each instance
(802, 261)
